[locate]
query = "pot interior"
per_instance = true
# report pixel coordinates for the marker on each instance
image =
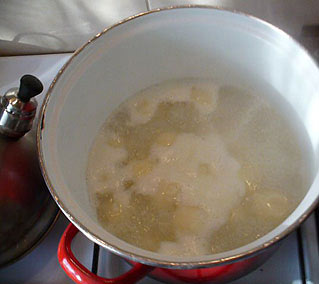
(171, 44)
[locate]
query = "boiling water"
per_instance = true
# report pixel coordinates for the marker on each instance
(191, 168)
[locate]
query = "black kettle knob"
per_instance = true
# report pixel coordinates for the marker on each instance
(30, 86)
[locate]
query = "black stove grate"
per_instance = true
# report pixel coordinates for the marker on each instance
(305, 274)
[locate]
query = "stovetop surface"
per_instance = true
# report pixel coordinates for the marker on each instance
(294, 262)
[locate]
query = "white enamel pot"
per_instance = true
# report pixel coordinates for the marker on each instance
(172, 43)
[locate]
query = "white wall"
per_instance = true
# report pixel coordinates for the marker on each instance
(51, 26)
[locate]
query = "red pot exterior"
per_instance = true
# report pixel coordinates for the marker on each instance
(217, 274)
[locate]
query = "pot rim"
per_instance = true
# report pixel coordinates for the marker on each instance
(135, 256)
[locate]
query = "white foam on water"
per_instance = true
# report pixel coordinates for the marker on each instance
(241, 140)
(142, 107)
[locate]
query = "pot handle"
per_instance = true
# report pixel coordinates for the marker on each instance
(80, 274)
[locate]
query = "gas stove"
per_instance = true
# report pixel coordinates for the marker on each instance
(296, 261)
